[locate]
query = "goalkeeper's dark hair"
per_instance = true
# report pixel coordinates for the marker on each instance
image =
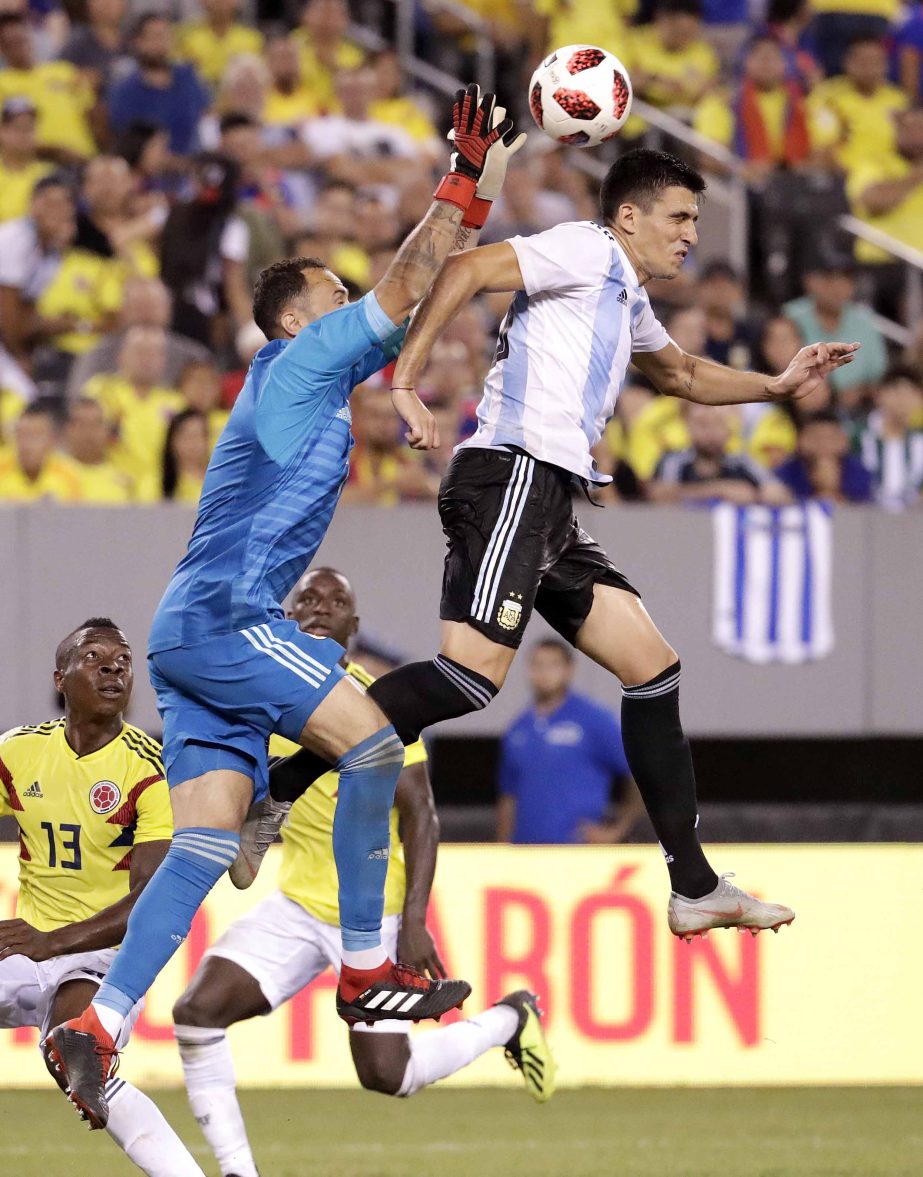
(277, 286)
(66, 645)
(640, 176)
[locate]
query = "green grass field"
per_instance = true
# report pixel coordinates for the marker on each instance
(846, 1132)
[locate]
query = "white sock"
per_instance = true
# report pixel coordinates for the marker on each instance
(110, 1019)
(364, 958)
(139, 1129)
(208, 1069)
(439, 1053)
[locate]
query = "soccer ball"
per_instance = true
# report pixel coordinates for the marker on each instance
(580, 95)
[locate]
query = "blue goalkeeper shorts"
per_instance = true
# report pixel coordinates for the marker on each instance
(221, 698)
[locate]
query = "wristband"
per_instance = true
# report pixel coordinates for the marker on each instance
(477, 214)
(456, 189)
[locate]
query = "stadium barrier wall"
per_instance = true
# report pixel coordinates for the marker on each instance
(833, 999)
(62, 564)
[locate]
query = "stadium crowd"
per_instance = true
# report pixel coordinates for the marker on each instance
(154, 159)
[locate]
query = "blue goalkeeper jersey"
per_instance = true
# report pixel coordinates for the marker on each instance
(275, 476)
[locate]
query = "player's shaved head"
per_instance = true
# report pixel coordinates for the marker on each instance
(324, 605)
(68, 645)
(310, 577)
(281, 287)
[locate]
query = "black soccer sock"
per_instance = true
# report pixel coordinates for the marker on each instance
(290, 776)
(661, 763)
(422, 693)
(412, 697)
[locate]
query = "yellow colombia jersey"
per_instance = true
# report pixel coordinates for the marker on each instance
(210, 53)
(309, 873)
(79, 817)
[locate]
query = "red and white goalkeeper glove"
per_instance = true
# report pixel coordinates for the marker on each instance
(494, 171)
(473, 134)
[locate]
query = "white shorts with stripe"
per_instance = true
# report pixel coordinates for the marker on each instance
(283, 947)
(28, 988)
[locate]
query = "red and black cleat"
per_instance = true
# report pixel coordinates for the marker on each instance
(396, 991)
(83, 1057)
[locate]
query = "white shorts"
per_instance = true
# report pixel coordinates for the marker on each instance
(28, 988)
(283, 947)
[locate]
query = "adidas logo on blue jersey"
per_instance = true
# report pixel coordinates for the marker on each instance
(35, 790)
(623, 296)
(344, 414)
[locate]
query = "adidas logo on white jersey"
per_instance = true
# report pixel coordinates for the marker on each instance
(623, 296)
(34, 790)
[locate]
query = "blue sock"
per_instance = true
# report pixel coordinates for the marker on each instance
(362, 835)
(160, 920)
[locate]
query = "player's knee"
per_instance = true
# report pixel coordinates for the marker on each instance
(195, 1008)
(377, 1075)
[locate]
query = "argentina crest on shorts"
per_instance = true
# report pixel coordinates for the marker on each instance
(509, 614)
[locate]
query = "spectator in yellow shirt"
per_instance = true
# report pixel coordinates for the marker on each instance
(11, 405)
(88, 438)
(200, 387)
(772, 434)
(567, 22)
(837, 24)
(672, 64)
(401, 110)
(211, 43)
(325, 49)
(187, 448)
(887, 190)
(20, 166)
(31, 249)
(32, 470)
(852, 115)
(139, 407)
(82, 299)
(381, 471)
(763, 120)
(62, 95)
(109, 224)
(290, 100)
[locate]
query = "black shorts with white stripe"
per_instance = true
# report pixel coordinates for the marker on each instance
(515, 544)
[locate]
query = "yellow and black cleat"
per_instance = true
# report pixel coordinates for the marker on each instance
(528, 1051)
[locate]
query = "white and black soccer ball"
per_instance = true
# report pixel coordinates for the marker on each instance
(580, 95)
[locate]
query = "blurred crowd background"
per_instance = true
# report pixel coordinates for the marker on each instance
(154, 158)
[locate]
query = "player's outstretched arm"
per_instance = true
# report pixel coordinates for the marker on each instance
(106, 929)
(419, 259)
(676, 373)
(493, 268)
(420, 835)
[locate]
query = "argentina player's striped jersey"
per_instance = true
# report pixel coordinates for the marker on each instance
(275, 476)
(565, 346)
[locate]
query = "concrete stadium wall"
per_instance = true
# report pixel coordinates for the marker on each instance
(61, 564)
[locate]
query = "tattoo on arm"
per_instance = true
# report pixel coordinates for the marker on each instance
(420, 257)
(689, 385)
(462, 237)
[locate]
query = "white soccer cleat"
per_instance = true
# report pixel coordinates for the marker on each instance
(725, 907)
(260, 829)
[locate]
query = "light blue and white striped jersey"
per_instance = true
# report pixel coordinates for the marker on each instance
(565, 346)
(275, 477)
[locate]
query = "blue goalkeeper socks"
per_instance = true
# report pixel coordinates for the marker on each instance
(362, 835)
(160, 920)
